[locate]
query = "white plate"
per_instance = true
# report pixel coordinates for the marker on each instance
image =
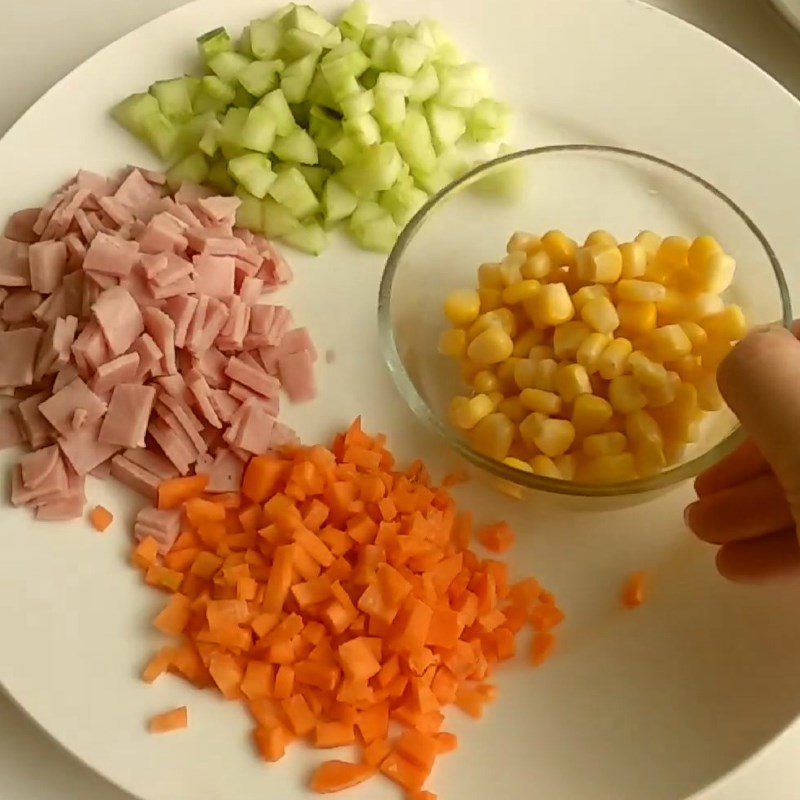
(655, 704)
(790, 9)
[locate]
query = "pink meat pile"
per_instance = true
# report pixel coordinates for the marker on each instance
(136, 339)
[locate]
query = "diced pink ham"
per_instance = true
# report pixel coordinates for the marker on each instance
(54, 484)
(56, 346)
(19, 306)
(162, 329)
(101, 471)
(136, 192)
(135, 477)
(252, 377)
(118, 212)
(37, 430)
(224, 473)
(174, 289)
(186, 433)
(213, 275)
(150, 356)
(122, 369)
(48, 262)
(198, 386)
(156, 177)
(79, 418)
(59, 408)
(18, 349)
(176, 269)
(98, 185)
(10, 434)
(209, 319)
(189, 193)
(171, 445)
(65, 376)
(20, 226)
(297, 376)
(37, 465)
(163, 526)
(175, 386)
(154, 463)
(83, 450)
(250, 291)
(164, 232)
(119, 318)
(14, 264)
(110, 255)
(90, 349)
(253, 432)
(220, 209)
(181, 310)
(126, 420)
(224, 405)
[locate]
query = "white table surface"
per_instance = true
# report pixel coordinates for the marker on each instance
(45, 39)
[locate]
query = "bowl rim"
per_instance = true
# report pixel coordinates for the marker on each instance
(435, 424)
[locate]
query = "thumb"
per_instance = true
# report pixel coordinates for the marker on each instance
(760, 380)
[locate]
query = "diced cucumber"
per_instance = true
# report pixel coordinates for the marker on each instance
(254, 172)
(341, 76)
(372, 32)
(426, 84)
(353, 21)
(250, 213)
(160, 133)
(338, 202)
(243, 99)
(377, 168)
(447, 125)
(394, 82)
(369, 79)
(297, 43)
(364, 129)
(407, 55)
(358, 103)
(260, 77)
(276, 219)
(228, 150)
(308, 237)
(213, 42)
(193, 168)
(132, 111)
(297, 77)
(219, 178)
(319, 93)
(506, 182)
(173, 98)
(232, 125)
(189, 134)
(400, 28)
(291, 190)
(390, 109)
(265, 38)
(415, 143)
(305, 18)
(281, 15)
(403, 200)
(244, 45)
(298, 146)
(462, 85)
(315, 176)
(379, 51)
(258, 131)
(324, 128)
(227, 65)
(373, 227)
(346, 149)
(331, 39)
(209, 141)
(213, 95)
(487, 120)
(353, 59)
(275, 102)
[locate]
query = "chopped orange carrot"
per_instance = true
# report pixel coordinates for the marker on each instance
(159, 663)
(172, 720)
(271, 741)
(334, 734)
(545, 617)
(542, 647)
(446, 742)
(175, 492)
(146, 553)
(455, 477)
(175, 616)
(101, 518)
(498, 537)
(633, 591)
(163, 577)
(405, 774)
(418, 748)
(376, 751)
(334, 776)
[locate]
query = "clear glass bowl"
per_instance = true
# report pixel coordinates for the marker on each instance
(575, 188)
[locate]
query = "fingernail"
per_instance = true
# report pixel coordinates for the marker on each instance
(686, 513)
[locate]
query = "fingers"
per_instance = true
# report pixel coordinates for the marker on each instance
(754, 508)
(742, 464)
(755, 560)
(760, 380)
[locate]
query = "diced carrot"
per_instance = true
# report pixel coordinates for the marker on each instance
(258, 680)
(334, 734)
(455, 477)
(181, 560)
(280, 578)
(633, 590)
(271, 742)
(261, 476)
(471, 701)
(300, 717)
(318, 674)
(314, 546)
(175, 616)
(159, 664)
(284, 682)
(101, 518)
(376, 751)
(357, 659)
(163, 578)
(199, 511)
(172, 720)
(405, 774)
(542, 647)
(446, 742)
(146, 553)
(545, 617)
(335, 776)
(373, 722)
(418, 748)
(177, 491)
(497, 537)
(205, 564)
(227, 674)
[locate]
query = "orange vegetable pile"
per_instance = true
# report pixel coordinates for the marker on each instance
(335, 596)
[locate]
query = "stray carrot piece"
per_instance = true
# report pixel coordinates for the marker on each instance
(101, 518)
(446, 742)
(542, 647)
(633, 590)
(376, 751)
(199, 511)
(405, 774)
(547, 597)
(175, 616)
(164, 578)
(498, 537)
(545, 617)
(471, 701)
(172, 720)
(271, 741)
(146, 553)
(334, 734)
(455, 477)
(159, 663)
(418, 748)
(334, 776)
(261, 477)
(423, 795)
(181, 560)
(176, 491)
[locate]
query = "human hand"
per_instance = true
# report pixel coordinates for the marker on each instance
(749, 503)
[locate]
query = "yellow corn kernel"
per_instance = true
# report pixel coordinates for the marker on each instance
(650, 458)
(688, 367)
(524, 373)
(605, 444)
(496, 398)
(567, 338)
(668, 343)
(518, 463)
(640, 428)
(510, 269)
(730, 324)
(676, 417)
(696, 333)
(489, 276)
(601, 315)
(647, 372)
(608, 469)
(633, 290)
(525, 242)
(701, 250)
(673, 253)
(559, 247)
(540, 351)
(708, 394)
(529, 426)
(658, 396)
(457, 410)
(462, 307)
(674, 451)
(715, 275)
(538, 400)
(538, 265)
(493, 436)
(485, 382)
(544, 374)
(524, 342)
(554, 436)
(505, 374)
(499, 318)
(713, 353)
(650, 242)
(468, 371)
(521, 291)
(626, 395)
(590, 350)
(513, 408)
(572, 380)
(491, 299)
(467, 415)
(599, 263)
(490, 347)
(636, 318)
(551, 306)
(566, 464)
(453, 343)
(697, 306)
(613, 360)
(600, 237)
(587, 293)
(545, 467)
(634, 260)
(590, 414)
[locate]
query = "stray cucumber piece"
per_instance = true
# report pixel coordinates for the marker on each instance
(403, 200)
(213, 42)
(276, 220)
(260, 77)
(298, 146)
(254, 172)
(173, 98)
(338, 202)
(324, 128)
(308, 237)
(447, 125)
(275, 102)
(265, 39)
(291, 190)
(353, 22)
(132, 111)
(375, 170)
(258, 131)
(227, 65)
(219, 178)
(400, 28)
(319, 93)
(415, 143)
(193, 169)
(487, 120)
(160, 133)
(373, 227)
(297, 78)
(250, 212)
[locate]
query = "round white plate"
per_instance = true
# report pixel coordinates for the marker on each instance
(790, 9)
(656, 703)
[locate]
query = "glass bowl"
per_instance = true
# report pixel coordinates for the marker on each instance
(575, 188)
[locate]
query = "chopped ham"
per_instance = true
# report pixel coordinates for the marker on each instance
(48, 262)
(83, 449)
(214, 275)
(37, 465)
(18, 349)
(154, 463)
(252, 377)
(181, 309)
(14, 264)
(162, 329)
(163, 526)
(224, 472)
(20, 226)
(122, 369)
(297, 376)
(119, 318)
(10, 434)
(150, 356)
(135, 191)
(19, 306)
(59, 409)
(109, 255)
(36, 429)
(125, 423)
(135, 477)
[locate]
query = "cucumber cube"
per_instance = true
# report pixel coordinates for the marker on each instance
(353, 59)
(260, 77)
(488, 120)
(189, 134)
(415, 143)
(227, 65)
(353, 22)
(298, 43)
(338, 202)
(209, 141)
(213, 42)
(426, 85)
(254, 172)
(373, 227)
(403, 200)
(308, 237)
(276, 220)
(390, 109)
(219, 178)
(358, 103)
(393, 82)
(291, 190)
(173, 98)
(447, 125)
(192, 169)
(213, 95)
(407, 55)
(379, 51)
(242, 98)
(376, 169)
(265, 38)
(298, 146)
(400, 28)
(132, 111)
(315, 176)
(364, 129)
(275, 102)
(258, 131)
(319, 93)
(244, 45)
(297, 78)
(250, 212)
(160, 133)
(346, 149)
(232, 126)
(305, 18)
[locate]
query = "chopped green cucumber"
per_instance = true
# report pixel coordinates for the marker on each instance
(415, 143)
(487, 120)
(160, 133)
(193, 168)
(298, 43)
(375, 170)
(250, 213)
(219, 178)
(297, 77)
(447, 125)
(260, 77)
(227, 65)
(353, 23)
(213, 42)
(364, 129)
(209, 141)
(258, 131)
(298, 146)
(403, 200)
(132, 111)
(265, 39)
(306, 19)
(315, 176)
(426, 84)
(254, 172)
(407, 56)
(373, 227)
(308, 237)
(275, 102)
(276, 220)
(173, 98)
(390, 109)
(338, 202)
(291, 190)
(358, 103)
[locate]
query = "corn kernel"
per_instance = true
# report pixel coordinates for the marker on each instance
(605, 444)
(600, 263)
(688, 367)
(697, 306)
(601, 314)
(493, 436)
(600, 237)
(613, 360)
(634, 260)
(538, 265)
(696, 333)
(457, 410)
(489, 276)
(513, 408)
(518, 463)
(608, 469)
(510, 269)
(713, 353)
(673, 253)
(505, 374)
(485, 382)
(647, 372)
(525, 341)
(715, 275)
(566, 464)
(650, 242)
(587, 293)
(462, 307)
(544, 375)
(453, 343)
(554, 436)
(551, 306)
(490, 347)
(674, 451)
(626, 395)
(496, 398)
(468, 371)
(730, 324)
(658, 396)
(572, 380)
(559, 247)
(529, 427)
(590, 414)
(538, 400)
(701, 250)
(708, 394)
(491, 299)
(567, 338)
(671, 307)
(641, 428)
(649, 458)
(633, 290)
(524, 372)
(590, 350)
(636, 318)
(541, 351)
(467, 415)
(521, 291)
(677, 417)
(668, 343)
(525, 242)
(545, 467)
(499, 318)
